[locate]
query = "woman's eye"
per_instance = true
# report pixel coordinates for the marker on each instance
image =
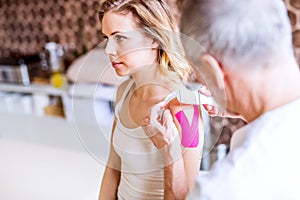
(119, 38)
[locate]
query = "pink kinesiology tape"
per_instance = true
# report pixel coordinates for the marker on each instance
(190, 132)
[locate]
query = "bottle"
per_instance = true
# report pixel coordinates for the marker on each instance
(57, 77)
(221, 151)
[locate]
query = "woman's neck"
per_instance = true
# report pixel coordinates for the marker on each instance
(147, 75)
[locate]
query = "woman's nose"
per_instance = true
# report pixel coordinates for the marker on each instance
(110, 48)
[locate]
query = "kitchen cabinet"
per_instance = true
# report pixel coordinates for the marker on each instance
(46, 157)
(86, 127)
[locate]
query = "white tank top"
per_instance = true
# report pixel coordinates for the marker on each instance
(142, 172)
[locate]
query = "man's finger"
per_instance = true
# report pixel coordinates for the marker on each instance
(204, 90)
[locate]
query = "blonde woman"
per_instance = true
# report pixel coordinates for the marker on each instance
(142, 42)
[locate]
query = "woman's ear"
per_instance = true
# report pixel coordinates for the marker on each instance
(213, 71)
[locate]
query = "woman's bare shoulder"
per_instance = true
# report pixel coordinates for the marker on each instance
(183, 99)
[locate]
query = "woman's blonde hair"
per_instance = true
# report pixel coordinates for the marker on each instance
(154, 17)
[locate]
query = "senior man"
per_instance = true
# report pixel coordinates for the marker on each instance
(247, 61)
(250, 68)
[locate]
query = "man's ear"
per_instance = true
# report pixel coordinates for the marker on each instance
(155, 43)
(213, 69)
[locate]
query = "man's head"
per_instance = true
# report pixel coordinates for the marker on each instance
(236, 36)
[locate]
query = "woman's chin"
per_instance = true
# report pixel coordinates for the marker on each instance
(121, 74)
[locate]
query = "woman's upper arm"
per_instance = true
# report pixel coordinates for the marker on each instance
(111, 176)
(113, 159)
(189, 122)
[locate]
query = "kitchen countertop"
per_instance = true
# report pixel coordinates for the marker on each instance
(50, 158)
(33, 172)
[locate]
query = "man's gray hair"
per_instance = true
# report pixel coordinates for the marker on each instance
(238, 32)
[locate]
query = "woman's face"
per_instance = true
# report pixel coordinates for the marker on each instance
(127, 47)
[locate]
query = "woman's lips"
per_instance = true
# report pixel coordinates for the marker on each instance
(116, 64)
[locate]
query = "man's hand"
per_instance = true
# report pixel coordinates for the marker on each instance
(159, 127)
(212, 110)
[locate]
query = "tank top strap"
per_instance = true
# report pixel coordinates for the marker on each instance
(125, 92)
